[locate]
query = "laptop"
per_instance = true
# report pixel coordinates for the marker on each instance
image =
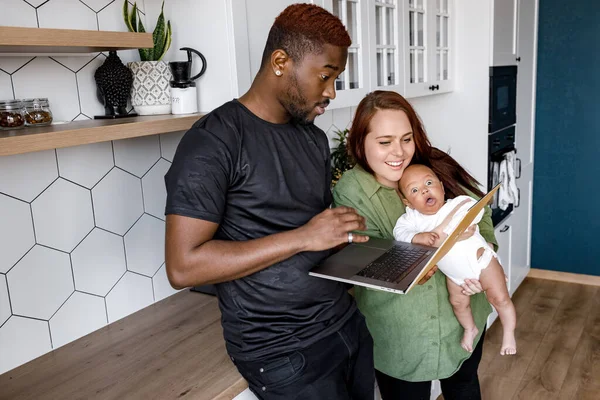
(391, 265)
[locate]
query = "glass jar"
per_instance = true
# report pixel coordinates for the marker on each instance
(37, 112)
(11, 114)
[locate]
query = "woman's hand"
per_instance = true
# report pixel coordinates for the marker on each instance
(471, 287)
(470, 231)
(427, 276)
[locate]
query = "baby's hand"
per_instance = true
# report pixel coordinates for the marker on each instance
(425, 238)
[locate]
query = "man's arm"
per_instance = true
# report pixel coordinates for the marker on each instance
(194, 258)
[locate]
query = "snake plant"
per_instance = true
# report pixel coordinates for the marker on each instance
(161, 35)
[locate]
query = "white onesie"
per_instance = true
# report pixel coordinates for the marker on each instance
(461, 261)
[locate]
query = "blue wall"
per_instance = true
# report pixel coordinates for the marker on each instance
(566, 188)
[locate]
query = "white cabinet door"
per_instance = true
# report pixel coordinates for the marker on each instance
(429, 47)
(506, 32)
(354, 83)
(503, 234)
(526, 79)
(386, 25)
(521, 229)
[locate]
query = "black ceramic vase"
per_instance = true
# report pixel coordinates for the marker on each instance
(113, 83)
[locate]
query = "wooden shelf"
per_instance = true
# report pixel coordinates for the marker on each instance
(30, 139)
(42, 40)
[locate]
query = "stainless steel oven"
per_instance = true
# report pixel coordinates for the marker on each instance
(503, 97)
(499, 145)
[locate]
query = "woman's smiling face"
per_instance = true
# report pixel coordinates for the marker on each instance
(389, 146)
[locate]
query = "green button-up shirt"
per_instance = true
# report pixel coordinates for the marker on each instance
(416, 335)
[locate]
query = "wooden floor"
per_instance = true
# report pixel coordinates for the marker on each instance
(558, 341)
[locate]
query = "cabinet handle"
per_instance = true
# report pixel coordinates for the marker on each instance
(434, 87)
(518, 59)
(504, 228)
(519, 174)
(518, 198)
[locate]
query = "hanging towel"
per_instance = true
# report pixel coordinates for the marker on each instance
(512, 183)
(504, 198)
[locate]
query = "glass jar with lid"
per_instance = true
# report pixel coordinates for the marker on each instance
(11, 114)
(37, 112)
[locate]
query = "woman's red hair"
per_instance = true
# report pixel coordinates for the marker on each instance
(455, 178)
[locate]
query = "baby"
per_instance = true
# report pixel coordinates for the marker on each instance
(428, 221)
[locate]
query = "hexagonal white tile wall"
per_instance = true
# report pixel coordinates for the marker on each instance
(36, 3)
(325, 121)
(21, 14)
(16, 231)
(111, 17)
(162, 287)
(6, 92)
(75, 63)
(90, 105)
(97, 5)
(61, 90)
(73, 15)
(98, 262)
(85, 164)
(22, 340)
(168, 144)
(117, 201)
(137, 155)
(40, 283)
(80, 315)
(11, 64)
(153, 186)
(132, 293)
(145, 245)
(4, 301)
(26, 175)
(62, 215)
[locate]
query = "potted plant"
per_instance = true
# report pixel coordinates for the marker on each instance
(340, 157)
(150, 92)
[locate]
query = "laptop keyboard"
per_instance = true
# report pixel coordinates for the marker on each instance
(394, 264)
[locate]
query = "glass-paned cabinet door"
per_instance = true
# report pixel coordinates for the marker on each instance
(352, 84)
(385, 36)
(429, 47)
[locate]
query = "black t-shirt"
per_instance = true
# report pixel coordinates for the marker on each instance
(254, 179)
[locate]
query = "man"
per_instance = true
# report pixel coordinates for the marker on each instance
(247, 209)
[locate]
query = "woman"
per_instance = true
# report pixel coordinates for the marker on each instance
(416, 336)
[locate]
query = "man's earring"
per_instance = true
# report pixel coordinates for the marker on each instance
(278, 73)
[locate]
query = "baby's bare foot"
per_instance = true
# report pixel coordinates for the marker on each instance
(509, 344)
(468, 338)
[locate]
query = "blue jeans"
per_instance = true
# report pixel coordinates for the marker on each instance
(337, 367)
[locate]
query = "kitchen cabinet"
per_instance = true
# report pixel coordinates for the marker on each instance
(505, 32)
(428, 46)
(504, 233)
(521, 229)
(353, 84)
(386, 56)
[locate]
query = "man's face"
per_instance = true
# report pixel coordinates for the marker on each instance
(311, 83)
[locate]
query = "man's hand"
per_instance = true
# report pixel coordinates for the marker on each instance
(330, 228)
(425, 238)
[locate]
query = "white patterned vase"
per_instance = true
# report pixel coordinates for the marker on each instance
(150, 92)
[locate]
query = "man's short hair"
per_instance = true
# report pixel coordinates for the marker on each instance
(304, 28)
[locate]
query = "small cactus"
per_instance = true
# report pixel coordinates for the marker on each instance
(161, 35)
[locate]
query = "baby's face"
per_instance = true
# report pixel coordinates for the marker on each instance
(421, 189)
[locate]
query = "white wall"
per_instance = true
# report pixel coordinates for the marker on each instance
(204, 26)
(459, 120)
